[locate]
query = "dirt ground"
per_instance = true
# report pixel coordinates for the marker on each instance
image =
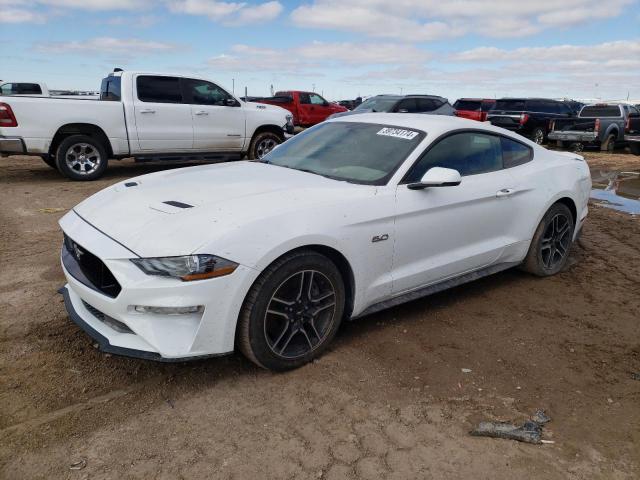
(389, 400)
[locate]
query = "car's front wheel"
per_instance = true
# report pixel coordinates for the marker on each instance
(549, 249)
(263, 143)
(292, 311)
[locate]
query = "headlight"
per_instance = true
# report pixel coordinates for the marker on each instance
(187, 268)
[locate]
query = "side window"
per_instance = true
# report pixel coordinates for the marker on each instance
(304, 98)
(408, 105)
(428, 104)
(633, 111)
(316, 99)
(201, 92)
(470, 153)
(514, 153)
(158, 89)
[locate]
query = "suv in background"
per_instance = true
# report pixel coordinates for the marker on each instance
(473, 108)
(431, 104)
(530, 117)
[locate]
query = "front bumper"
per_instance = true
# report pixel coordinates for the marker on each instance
(12, 146)
(584, 137)
(118, 328)
(632, 138)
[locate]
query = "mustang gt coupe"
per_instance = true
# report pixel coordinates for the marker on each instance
(347, 218)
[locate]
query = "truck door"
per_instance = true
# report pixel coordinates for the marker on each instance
(163, 120)
(218, 118)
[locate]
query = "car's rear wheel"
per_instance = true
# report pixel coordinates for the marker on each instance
(549, 249)
(263, 143)
(81, 157)
(609, 144)
(538, 136)
(292, 311)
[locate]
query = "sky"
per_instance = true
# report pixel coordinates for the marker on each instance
(584, 49)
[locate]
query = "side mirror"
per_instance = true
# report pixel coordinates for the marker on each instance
(231, 102)
(437, 177)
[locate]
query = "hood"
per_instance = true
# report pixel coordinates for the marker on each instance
(177, 211)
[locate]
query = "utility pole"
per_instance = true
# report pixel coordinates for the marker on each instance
(233, 86)
(313, 87)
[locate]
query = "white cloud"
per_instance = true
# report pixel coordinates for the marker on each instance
(18, 15)
(97, 4)
(109, 45)
(232, 13)
(425, 20)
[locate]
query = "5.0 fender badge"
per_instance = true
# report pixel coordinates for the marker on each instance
(380, 238)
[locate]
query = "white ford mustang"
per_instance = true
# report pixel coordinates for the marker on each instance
(352, 216)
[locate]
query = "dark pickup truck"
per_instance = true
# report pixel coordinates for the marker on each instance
(632, 134)
(600, 124)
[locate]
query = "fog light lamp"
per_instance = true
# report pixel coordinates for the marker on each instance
(169, 310)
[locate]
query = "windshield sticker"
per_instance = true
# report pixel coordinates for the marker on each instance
(398, 133)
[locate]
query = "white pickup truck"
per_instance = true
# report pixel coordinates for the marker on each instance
(142, 115)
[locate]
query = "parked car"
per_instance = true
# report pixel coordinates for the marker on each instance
(347, 218)
(141, 115)
(632, 134)
(530, 117)
(473, 108)
(307, 108)
(24, 88)
(600, 124)
(350, 104)
(402, 104)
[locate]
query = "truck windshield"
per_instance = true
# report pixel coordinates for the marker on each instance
(377, 104)
(363, 153)
(595, 111)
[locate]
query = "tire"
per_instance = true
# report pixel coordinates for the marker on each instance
(609, 145)
(577, 147)
(634, 147)
(551, 243)
(49, 160)
(80, 157)
(281, 326)
(538, 135)
(262, 143)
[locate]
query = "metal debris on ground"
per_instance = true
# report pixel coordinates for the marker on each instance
(635, 376)
(529, 432)
(52, 210)
(79, 465)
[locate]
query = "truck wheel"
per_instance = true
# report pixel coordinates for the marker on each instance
(80, 157)
(610, 143)
(577, 147)
(634, 147)
(49, 160)
(263, 143)
(538, 136)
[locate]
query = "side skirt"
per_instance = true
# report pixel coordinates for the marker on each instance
(436, 287)
(188, 156)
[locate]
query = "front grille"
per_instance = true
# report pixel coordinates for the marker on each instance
(89, 269)
(106, 319)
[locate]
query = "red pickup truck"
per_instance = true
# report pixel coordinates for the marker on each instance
(308, 108)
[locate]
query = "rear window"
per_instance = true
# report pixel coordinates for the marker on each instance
(110, 89)
(472, 105)
(594, 111)
(513, 105)
(21, 89)
(158, 89)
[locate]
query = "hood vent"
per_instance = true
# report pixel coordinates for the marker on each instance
(173, 203)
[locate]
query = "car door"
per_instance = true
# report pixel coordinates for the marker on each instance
(163, 121)
(447, 231)
(218, 118)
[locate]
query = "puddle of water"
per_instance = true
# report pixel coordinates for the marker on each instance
(617, 190)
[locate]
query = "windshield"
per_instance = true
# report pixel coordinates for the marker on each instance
(362, 153)
(377, 104)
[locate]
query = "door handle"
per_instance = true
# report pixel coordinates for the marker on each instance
(505, 192)
(201, 112)
(148, 110)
